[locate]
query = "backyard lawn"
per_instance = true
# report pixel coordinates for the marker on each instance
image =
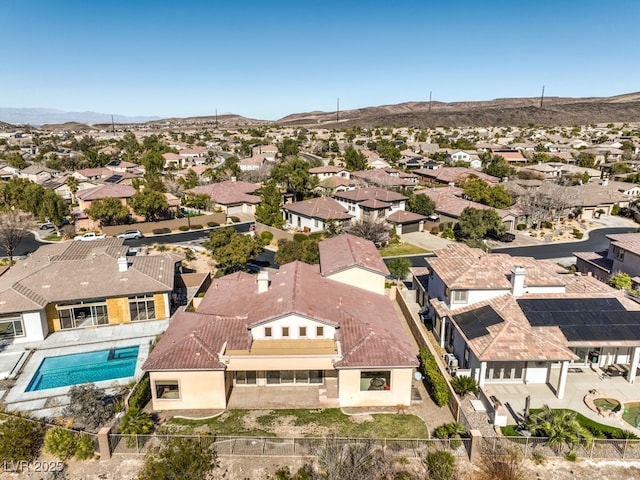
(396, 249)
(302, 423)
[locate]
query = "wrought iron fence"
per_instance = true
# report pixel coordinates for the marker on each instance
(291, 447)
(599, 448)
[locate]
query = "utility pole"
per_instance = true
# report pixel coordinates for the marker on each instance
(430, 92)
(216, 117)
(338, 110)
(542, 96)
(113, 125)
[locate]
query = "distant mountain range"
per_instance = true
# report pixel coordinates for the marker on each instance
(41, 116)
(552, 111)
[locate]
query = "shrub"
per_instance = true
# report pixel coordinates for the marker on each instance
(60, 442)
(136, 422)
(213, 224)
(615, 210)
(183, 228)
(300, 237)
(441, 465)
(546, 224)
(316, 235)
(234, 219)
(20, 439)
(266, 237)
(577, 233)
(160, 231)
(189, 255)
(196, 227)
(434, 381)
(141, 394)
(571, 456)
(441, 227)
(435, 230)
(179, 458)
(502, 465)
(448, 233)
(85, 448)
(521, 226)
(89, 406)
(452, 431)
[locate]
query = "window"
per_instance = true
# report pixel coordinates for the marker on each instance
(315, 222)
(619, 253)
(460, 296)
(11, 326)
(285, 331)
(319, 332)
(375, 380)
(87, 313)
(303, 331)
(142, 307)
(246, 377)
(167, 389)
(286, 376)
(267, 332)
(273, 378)
(280, 377)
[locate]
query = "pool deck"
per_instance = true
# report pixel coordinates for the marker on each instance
(19, 362)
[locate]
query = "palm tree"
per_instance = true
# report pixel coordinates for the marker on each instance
(464, 385)
(72, 183)
(560, 427)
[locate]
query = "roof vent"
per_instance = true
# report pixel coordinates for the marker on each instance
(123, 264)
(263, 282)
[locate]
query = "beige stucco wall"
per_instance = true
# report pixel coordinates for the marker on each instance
(359, 277)
(198, 390)
(284, 362)
(294, 322)
(399, 394)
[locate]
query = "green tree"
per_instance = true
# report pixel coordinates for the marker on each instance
(178, 459)
(498, 167)
(72, 183)
(152, 205)
(130, 147)
(190, 180)
(201, 201)
(399, 267)
(387, 149)
(20, 439)
(620, 280)
(268, 211)
(421, 204)
(289, 147)
(464, 385)
(291, 251)
(375, 231)
(560, 427)
(294, 176)
(52, 206)
(153, 162)
(108, 211)
(475, 223)
(232, 250)
(354, 160)
(441, 465)
(586, 160)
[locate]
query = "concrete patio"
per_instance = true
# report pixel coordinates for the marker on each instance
(580, 380)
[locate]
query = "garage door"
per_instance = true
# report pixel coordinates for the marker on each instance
(234, 210)
(411, 227)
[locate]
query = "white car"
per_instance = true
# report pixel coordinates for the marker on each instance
(89, 236)
(130, 234)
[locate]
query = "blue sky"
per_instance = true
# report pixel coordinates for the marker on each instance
(269, 59)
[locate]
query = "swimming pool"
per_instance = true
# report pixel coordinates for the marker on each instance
(86, 367)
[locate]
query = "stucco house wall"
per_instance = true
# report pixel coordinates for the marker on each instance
(197, 390)
(350, 394)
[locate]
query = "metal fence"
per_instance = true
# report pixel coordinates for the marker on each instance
(291, 447)
(609, 449)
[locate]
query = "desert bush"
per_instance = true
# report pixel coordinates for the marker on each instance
(89, 406)
(507, 465)
(266, 237)
(234, 219)
(521, 226)
(435, 230)
(197, 226)
(160, 231)
(213, 224)
(300, 237)
(60, 442)
(20, 439)
(183, 228)
(441, 465)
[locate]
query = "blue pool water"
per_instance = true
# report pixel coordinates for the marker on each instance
(87, 367)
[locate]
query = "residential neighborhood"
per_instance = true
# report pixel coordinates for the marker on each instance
(277, 268)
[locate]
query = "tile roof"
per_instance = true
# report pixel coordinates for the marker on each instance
(402, 217)
(323, 208)
(627, 241)
(345, 251)
(229, 192)
(89, 271)
(368, 328)
(462, 267)
(371, 193)
(457, 175)
(108, 190)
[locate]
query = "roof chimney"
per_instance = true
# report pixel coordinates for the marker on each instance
(263, 282)
(517, 281)
(123, 264)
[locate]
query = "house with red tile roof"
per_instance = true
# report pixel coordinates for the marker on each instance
(328, 330)
(622, 256)
(232, 196)
(370, 203)
(516, 319)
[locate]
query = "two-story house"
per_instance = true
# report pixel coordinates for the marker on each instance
(622, 256)
(343, 347)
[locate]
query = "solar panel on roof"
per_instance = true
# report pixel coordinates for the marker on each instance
(592, 319)
(113, 179)
(475, 323)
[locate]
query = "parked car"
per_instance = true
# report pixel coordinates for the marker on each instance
(434, 218)
(507, 237)
(130, 234)
(45, 226)
(89, 236)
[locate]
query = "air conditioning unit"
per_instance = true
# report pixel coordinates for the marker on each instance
(450, 359)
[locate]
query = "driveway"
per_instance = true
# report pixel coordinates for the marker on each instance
(425, 240)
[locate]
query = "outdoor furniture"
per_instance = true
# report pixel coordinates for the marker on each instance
(615, 371)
